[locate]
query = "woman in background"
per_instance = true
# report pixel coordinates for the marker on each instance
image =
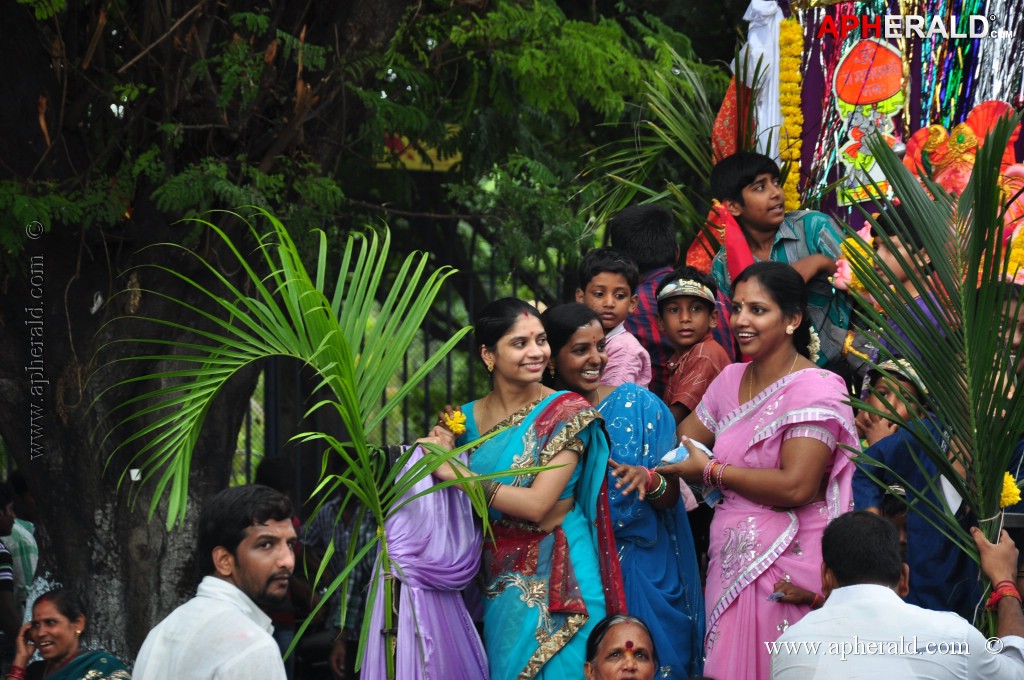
(58, 621)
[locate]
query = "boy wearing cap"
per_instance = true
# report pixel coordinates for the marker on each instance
(686, 315)
(942, 577)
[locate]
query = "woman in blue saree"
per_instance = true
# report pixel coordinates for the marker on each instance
(652, 534)
(550, 572)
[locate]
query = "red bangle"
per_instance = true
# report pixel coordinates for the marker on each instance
(651, 486)
(709, 470)
(16, 672)
(721, 471)
(999, 594)
(999, 585)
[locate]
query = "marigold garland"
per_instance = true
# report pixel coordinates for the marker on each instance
(1011, 492)
(791, 45)
(1015, 266)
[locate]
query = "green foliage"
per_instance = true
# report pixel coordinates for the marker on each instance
(296, 313)
(551, 63)
(45, 9)
(240, 69)
(531, 210)
(314, 57)
(256, 23)
(675, 128)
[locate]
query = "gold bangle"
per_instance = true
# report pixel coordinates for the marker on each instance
(660, 491)
(490, 488)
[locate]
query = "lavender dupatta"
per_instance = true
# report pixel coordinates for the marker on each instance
(436, 544)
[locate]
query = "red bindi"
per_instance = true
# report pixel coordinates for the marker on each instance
(629, 644)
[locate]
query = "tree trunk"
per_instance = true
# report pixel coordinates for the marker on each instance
(93, 525)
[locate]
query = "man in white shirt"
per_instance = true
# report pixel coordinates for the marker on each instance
(245, 550)
(864, 630)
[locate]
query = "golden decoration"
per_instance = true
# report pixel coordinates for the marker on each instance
(791, 45)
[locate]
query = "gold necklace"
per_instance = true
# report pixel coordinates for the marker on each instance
(750, 376)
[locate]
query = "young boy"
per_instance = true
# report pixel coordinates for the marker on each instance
(686, 315)
(647, 234)
(749, 187)
(897, 395)
(942, 578)
(608, 281)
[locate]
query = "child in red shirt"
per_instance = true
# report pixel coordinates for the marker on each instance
(686, 315)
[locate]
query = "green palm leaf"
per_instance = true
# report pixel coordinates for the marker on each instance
(677, 121)
(337, 328)
(962, 357)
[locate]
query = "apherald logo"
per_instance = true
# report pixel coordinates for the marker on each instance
(895, 26)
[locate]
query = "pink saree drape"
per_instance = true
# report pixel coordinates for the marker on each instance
(753, 546)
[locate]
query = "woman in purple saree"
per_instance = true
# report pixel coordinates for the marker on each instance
(779, 427)
(434, 543)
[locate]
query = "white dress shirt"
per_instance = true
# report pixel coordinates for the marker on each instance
(219, 634)
(867, 631)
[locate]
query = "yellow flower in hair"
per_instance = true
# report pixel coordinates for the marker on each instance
(456, 422)
(1011, 492)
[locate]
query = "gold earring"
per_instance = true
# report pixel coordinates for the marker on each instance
(790, 329)
(490, 366)
(77, 633)
(551, 370)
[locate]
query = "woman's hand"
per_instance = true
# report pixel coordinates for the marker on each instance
(691, 469)
(23, 647)
(452, 419)
(443, 438)
(631, 478)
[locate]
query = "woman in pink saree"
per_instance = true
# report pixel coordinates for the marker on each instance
(779, 427)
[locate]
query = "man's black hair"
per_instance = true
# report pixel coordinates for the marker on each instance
(226, 517)
(646, 233)
(731, 174)
(6, 495)
(861, 547)
(898, 215)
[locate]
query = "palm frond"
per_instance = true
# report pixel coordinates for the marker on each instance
(955, 340)
(353, 342)
(676, 122)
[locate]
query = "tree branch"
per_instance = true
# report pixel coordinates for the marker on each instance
(409, 213)
(159, 40)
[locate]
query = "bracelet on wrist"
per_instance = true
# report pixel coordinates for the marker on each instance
(660, 491)
(999, 593)
(709, 470)
(490, 488)
(721, 471)
(652, 484)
